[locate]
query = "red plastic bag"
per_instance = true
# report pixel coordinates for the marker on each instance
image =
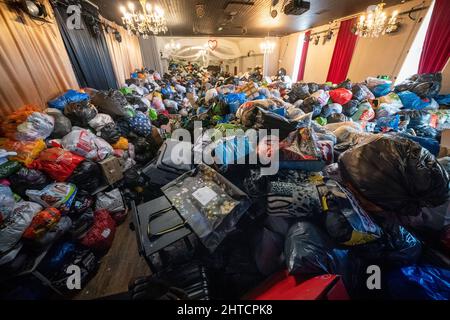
(57, 163)
(341, 96)
(41, 223)
(101, 234)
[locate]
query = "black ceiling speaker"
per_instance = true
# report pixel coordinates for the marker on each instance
(32, 8)
(296, 7)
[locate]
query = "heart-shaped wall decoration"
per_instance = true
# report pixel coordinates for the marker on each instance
(212, 44)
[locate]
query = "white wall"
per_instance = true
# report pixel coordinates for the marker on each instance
(238, 48)
(372, 57)
(287, 54)
(385, 55)
(446, 79)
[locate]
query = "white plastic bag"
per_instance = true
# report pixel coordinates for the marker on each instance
(322, 96)
(17, 223)
(7, 203)
(86, 144)
(211, 94)
(111, 201)
(38, 126)
(100, 121)
(56, 195)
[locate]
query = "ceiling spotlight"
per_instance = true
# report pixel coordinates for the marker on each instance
(220, 28)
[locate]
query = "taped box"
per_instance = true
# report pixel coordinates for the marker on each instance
(112, 170)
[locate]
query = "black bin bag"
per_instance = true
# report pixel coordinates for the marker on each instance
(80, 113)
(309, 250)
(26, 179)
(396, 248)
(111, 102)
(110, 133)
(300, 91)
(311, 104)
(396, 174)
(268, 244)
(87, 176)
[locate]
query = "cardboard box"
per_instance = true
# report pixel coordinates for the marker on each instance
(445, 144)
(112, 170)
(283, 286)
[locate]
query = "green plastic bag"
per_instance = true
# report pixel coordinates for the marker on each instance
(126, 91)
(152, 114)
(322, 121)
(9, 168)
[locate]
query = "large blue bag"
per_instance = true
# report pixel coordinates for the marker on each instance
(381, 90)
(230, 150)
(235, 100)
(71, 96)
(419, 283)
(410, 100)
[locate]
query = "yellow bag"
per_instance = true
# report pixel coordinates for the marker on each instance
(122, 144)
(26, 151)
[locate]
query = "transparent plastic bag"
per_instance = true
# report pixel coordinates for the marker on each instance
(211, 205)
(55, 195)
(38, 126)
(6, 203)
(86, 144)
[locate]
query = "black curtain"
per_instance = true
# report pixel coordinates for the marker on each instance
(88, 52)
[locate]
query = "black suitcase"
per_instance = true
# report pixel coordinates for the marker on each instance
(162, 169)
(162, 235)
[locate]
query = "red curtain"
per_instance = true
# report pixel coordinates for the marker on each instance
(301, 70)
(436, 48)
(343, 52)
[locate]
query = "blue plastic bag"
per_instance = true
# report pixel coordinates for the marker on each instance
(389, 123)
(443, 100)
(280, 111)
(58, 256)
(140, 124)
(381, 90)
(71, 96)
(430, 144)
(230, 150)
(235, 100)
(419, 283)
(410, 100)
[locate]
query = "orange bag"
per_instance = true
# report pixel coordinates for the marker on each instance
(122, 144)
(27, 151)
(12, 121)
(57, 163)
(41, 223)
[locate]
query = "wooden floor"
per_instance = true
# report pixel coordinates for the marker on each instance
(118, 267)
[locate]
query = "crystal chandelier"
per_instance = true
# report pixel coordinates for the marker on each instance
(375, 22)
(150, 21)
(267, 46)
